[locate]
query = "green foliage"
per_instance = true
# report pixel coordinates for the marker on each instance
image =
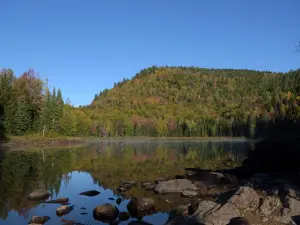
(159, 101)
(192, 101)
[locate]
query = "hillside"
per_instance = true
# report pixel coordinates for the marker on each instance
(187, 101)
(158, 101)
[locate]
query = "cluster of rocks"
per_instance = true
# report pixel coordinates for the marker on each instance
(264, 198)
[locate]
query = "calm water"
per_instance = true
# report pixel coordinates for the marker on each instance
(103, 167)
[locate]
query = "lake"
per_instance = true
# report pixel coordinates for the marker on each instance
(103, 166)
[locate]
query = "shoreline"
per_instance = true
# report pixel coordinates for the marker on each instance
(17, 142)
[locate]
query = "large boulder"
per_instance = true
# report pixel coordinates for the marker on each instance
(245, 199)
(39, 194)
(173, 186)
(269, 206)
(139, 207)
(211, 213)
(106, 213)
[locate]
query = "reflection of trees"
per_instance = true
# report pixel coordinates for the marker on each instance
(108, 163)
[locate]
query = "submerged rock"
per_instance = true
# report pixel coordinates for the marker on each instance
(39, 219)
(105, 213)
(59, 200)
(64, 210)
(39, 194)
(139, 207)
(173, 186)
(90, 193)
(118, 201)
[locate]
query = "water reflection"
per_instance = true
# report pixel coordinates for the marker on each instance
(102, 166)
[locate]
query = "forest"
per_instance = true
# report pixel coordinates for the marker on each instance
(158, 101)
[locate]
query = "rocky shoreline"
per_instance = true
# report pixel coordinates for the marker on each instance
(262, 199)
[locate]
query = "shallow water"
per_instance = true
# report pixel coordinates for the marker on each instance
(103, 167)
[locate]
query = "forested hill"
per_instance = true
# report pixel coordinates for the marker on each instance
(177, 101)
(158, 101)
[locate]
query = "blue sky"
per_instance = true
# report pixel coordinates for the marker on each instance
(85, 46)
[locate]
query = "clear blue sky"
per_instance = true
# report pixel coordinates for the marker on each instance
(85, 46)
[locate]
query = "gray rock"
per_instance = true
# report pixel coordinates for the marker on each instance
(39, 194)
(269, 205)
(105, 213)
(39, 219)
(189, 193)
(204, 207)
(173, 186)
(149, 187)
(220, 216)
(139, 207)
(245, 199)
(160, 179)
(64, 210)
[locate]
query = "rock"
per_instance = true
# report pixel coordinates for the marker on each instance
(168, 201)
(269, 205)
(105, 213)
(189, 193)
(59, 200)
(146, 183)
(126, 185)
(149, 187)
(220, 215)
(39, 219)
(139, 207)
(83, 208)
(238, 221)
(292, 191)
(291, 209)
(245, 198)
(132, 182)
(64, 210)
(83, 213)
(123, 216)
(90, 193)
(173, 186)
(112, 199)
(202, 207)
(39, 194)
(179, 212)
(211, 213)
(122, 189)
(160, 179)
(118, 201)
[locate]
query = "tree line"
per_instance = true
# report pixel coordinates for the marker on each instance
(28, 106)
(158, 101)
